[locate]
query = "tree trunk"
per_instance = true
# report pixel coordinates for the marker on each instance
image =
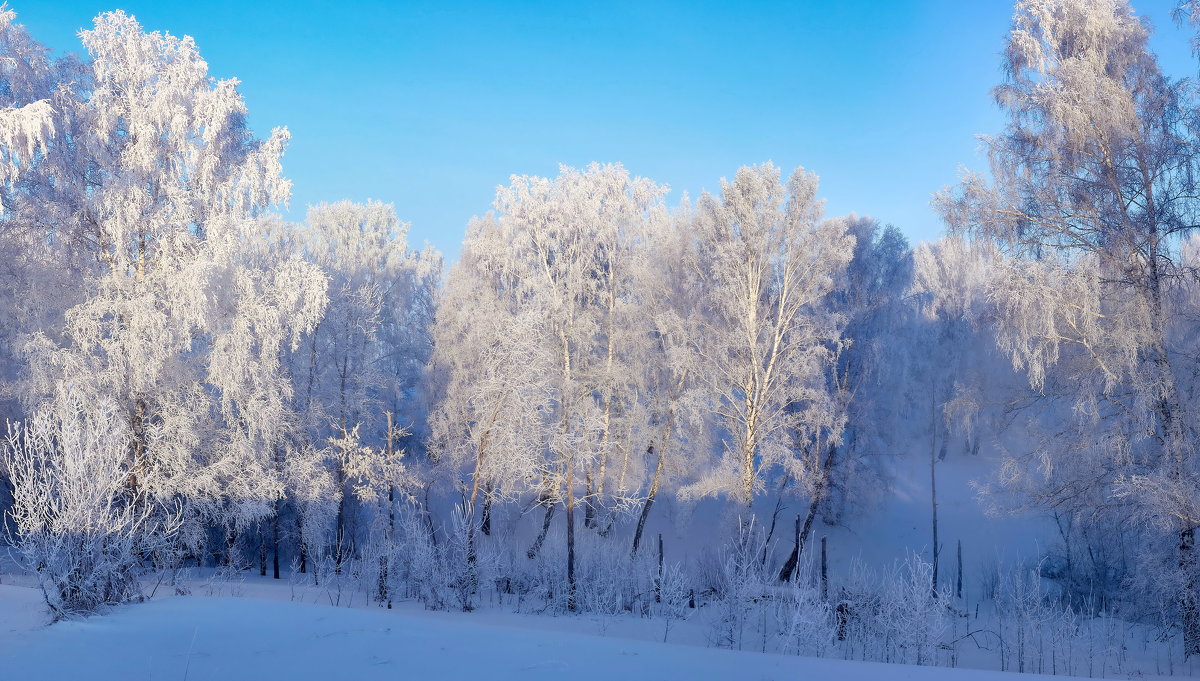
(1189, 601)
(485, 525)
(789, 566)
(649, 502)
(275, 544)
(340, 535)
(658, 582)
(802, 535)
(933, 430)
(275, 529)
(303, 547)
(541, 538)
(570, 533)
(641, 524)
(589, 512)
(824, 571)
(958, 581)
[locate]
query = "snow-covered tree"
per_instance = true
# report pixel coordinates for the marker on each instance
(359, 370)
(836, 460)
(495, 371)
(767, 260)
(557, 261)
(1092, 189)
(668, 296)
(153, 189)
(27, 123)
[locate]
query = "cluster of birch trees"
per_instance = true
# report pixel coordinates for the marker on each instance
(188, 378)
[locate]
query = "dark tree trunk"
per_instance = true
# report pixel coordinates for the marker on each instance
(262, 552)
(824, 571)
(570, 555)
(275, 538)
(541, 538)
(485, 525)
(303, 547)
(803, 531)
(958, 580)
(641, 523)
(589, 512)
(933, 487)
(649, 502)
(658, 582)
(789, 566)
(1189, 601)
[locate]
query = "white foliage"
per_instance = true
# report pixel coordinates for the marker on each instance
(767, 260)
(77, 526)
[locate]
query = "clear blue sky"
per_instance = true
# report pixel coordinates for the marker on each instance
(431, 105)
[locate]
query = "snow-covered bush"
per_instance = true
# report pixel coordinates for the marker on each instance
(893, 616)
(424, 572)
(805, 621)
(914, 612)
(743, 580)
(611, 582)
(81, 523)
(1033, 626)
(674, 593)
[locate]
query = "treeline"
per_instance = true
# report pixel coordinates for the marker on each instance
(191, 380)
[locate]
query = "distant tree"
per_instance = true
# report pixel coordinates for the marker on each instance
(365, 358)
(832, 457)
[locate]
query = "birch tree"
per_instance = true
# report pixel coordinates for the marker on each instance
(495, 371)
(556, 253)
(1092, 189)
(154, 186)
(669, 295)
(767, 260)
(27, 124)
(365, 357)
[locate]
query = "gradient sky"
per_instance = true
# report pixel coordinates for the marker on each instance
(431, 105)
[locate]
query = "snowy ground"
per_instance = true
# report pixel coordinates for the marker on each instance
(199, 637)
(250, 627)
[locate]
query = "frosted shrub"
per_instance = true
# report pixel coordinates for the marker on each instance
(743, 581)
(79, 525)
(548, 575)
(805, 621)
(895, 616)
(463, 560)
(674, 596)
(913, 612)
(612, 583)
(424, 569)
(1020, 608)
(858, 623)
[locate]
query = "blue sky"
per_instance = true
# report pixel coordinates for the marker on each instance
(431, 105)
